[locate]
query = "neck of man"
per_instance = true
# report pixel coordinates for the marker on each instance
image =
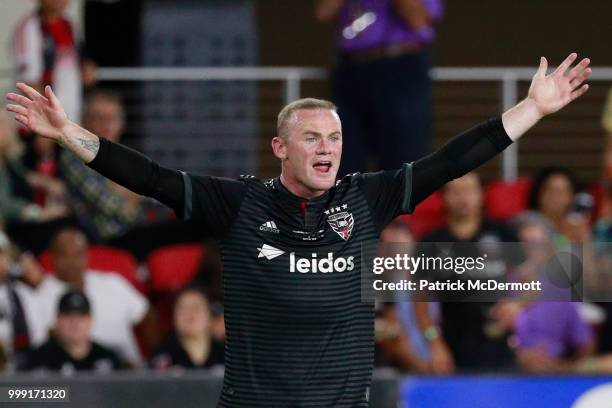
(76, 283)
(79, 350)
(557, 220)
(464, 227)
(299, 189)
(197, 347)
(49, 15)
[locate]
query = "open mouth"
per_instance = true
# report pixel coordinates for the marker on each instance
(322, 166)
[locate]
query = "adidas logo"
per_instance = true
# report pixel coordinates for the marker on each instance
(269, 252)
(269, 226)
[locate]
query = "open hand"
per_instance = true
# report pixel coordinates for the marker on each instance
(552, 92)
(43, 115)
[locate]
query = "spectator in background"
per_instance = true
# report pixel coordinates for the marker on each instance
(602, 235)
(393, 345)
(192, 344)
(17, 182)
(71, 348)
(46, 51)
(381, 84)
(104, 208)
(15, 316)
(549, 336)
(210, 276)
(602, 229)
(553, 195)
(118, 308)
(467, 337)
(31, 225)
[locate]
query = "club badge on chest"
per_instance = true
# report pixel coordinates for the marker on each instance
(341, 221)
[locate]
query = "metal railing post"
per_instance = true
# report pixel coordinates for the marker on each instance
(292, 87)
(509, 89)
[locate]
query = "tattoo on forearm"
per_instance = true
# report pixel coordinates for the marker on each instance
(91, 145)
(82, 144)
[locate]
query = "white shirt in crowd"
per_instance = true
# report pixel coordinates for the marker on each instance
(28, 56)
(6, 321)
(6, 314)
(116, 306)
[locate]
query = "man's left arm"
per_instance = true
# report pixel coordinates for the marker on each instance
(392, 193)
(547, 94)
(469, 150)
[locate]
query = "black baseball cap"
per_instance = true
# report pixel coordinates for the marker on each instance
(74, 301)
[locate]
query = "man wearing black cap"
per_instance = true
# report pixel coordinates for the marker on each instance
(71, 348)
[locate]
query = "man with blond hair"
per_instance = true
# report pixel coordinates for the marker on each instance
(298, 333)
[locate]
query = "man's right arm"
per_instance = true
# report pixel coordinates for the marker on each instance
(211, 201)
(45, 116)
(140, 174)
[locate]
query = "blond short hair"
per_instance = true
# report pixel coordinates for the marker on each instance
(307, 103)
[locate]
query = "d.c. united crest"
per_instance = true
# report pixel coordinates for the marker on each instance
(342, 222)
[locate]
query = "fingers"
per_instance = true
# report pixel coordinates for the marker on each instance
(23, 120)
(578, 69)
(575, 83)
(32, 93)
(51, 96)
(17, 109)
(20, 99)
(579, 92)
(543, 67)
(565, 64)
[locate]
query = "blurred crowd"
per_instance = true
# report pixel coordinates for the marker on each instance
(94, 277)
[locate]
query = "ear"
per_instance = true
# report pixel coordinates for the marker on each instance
(279, 148)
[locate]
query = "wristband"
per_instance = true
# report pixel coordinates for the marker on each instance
(431, 333)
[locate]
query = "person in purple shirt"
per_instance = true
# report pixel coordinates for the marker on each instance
(551, 336)
(381, 82)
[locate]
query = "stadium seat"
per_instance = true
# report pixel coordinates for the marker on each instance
(104, 259)
(173, 266)
(504, 200)
(428, 216)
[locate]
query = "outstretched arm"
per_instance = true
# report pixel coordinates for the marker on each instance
(44, 115)
(547, 94)
(467, 151)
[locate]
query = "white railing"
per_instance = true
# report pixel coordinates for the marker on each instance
(507, 77)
